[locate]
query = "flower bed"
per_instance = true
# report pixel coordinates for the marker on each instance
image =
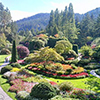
(57, 70)
(19, 85)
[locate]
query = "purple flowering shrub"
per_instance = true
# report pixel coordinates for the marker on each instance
(23, 51)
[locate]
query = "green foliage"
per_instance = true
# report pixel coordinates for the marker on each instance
(5, 51)
(14, 52)
(2, 40)
(43, 91)
(75, 48)
(52, 42)
(83, 62)
(93, 84)
(66, 86)
(71, 53)
(36, 44)
(17, 65)
(96, 53)
(45, 54)
(5, 69)
(92, 66)
(79, 94)
(68, 71)
(97, 71)
(96, 42)
(22, 95)
(75, 61)
(86, 50)
(62, 46)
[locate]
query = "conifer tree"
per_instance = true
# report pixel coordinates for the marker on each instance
(14, 52)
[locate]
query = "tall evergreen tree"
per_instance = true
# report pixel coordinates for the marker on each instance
(51, 24)
(97, 27)
(14, 52)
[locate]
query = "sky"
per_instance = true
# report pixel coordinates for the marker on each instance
(25, 8)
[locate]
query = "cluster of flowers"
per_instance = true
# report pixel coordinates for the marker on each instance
(20, 85)
(77, 73)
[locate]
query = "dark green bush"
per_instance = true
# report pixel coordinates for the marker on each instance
(96, 53)
(5, 51)
(83, 62)
(68, 71)
(6, 68)
(75, 48)
(43, 91)
(16, 65)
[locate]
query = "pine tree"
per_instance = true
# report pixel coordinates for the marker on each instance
(97, 27)
(14, 53)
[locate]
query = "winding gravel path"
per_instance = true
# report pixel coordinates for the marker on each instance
(3, 95)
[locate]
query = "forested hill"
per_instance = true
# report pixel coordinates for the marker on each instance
(40, 21)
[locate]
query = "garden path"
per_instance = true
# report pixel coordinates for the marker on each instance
(3, 95)
(94, 74)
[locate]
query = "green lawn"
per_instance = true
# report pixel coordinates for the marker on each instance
(5, 86)
(2, 58)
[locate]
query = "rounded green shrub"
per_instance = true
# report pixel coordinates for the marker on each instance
(6, 68)
(66, 86)
(43, 90)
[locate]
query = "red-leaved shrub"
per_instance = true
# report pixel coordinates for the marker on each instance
(23, 51)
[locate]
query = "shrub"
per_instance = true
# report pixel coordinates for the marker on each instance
(68, 71)
(36, 44)
(86, 50)
(63, 46)
(66, 86)
(22, 95)
(17, 65)
(83, 62)
(45, 54)
(5, 51)
(75, 48)
(5, 69)
(75, 61)
(43, 91)
(97, 71)
(96, 53)
(71, 53)
(79, 94)
(22, 51)
(92, 66)
(15, 70)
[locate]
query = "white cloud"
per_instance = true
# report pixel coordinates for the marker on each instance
(16, 15)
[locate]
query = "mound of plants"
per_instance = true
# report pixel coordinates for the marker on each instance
(43, 90)
(22, 51)
(45, 54)
(57, 70)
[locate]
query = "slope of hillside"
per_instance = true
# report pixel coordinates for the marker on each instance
(40, 21)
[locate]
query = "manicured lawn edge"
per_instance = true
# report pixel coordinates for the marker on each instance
(5, 86)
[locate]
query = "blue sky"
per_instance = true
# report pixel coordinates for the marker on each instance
(25, 8)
